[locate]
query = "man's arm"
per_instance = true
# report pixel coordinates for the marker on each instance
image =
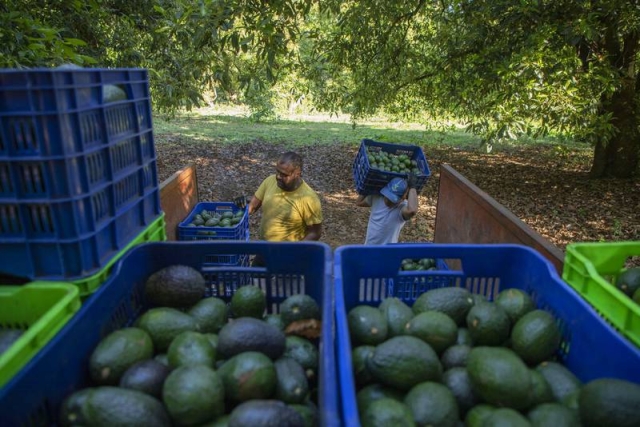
(314, 232)
(363, 201)
(254, 204)
(411, 208)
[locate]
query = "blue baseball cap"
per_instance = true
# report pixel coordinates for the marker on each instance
(394, 190)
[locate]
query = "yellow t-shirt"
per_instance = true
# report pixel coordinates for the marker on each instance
(286, 214)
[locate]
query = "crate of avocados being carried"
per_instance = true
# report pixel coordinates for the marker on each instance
(181, 342)
(377, 163)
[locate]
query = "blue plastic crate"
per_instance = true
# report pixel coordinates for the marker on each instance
(34, 395)
(67, 239)
(46, 113)
(239, 232)
(368, 274)
(370, 181)
(78, 174)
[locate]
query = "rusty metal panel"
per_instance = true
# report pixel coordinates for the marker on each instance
(178, 196)
(466, 214)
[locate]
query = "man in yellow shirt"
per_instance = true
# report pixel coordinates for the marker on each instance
(291, 209)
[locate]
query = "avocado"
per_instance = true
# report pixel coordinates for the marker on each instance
(146, 376)
(163, 324)
(299, 307)
(456, 355)
(191, 348)
(500, 377)
(454, 302)
(193, 394)
(506, 417)
(249, 334)
(397, 313)
(248, 301)
(211, 314)
(458, 381)
(108, 406)
(488, 324)
(553, 414)
(464, 337)
(540, 389)
(561, 380)
(360, 358)
(629, 281)
(435, 328)
(431, 403)
(292, 384)
(162, 358)
(536, 337)
(116, 352)
(8, 337)
(404, 361)
(176, 286)
(610, 402)
(274, 319)
(303, 351)
(265, 413)
(309, 414)
(478, 414)
(249, 375)
(213, 342)
(113, 93)
(373, 392)
(367, 325)
(387, 412)
(515, 302)
(222, 421)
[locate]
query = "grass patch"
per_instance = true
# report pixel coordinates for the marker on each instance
(231, 124)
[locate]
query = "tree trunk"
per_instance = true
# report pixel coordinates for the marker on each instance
(619, 156)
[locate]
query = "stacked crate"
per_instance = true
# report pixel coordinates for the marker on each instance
(78, 188)
(78, 177)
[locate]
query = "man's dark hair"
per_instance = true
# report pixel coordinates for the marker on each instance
(293, 158)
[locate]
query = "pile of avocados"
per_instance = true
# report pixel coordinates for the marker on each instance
(215, 218)
(390, 162)
(455, 358)
(192, 360)
(629, 283)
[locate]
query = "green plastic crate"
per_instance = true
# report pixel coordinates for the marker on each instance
(40, 310)
(591, 269)
(155, 232)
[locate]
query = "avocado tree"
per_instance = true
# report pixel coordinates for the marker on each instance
(506, 68)
(188, 46)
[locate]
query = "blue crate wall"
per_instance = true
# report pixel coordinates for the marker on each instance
(370, 181)
(78, 174)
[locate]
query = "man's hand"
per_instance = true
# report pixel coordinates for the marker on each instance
(412, 180)
(242, 201)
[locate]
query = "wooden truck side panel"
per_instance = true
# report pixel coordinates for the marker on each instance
(466, 214)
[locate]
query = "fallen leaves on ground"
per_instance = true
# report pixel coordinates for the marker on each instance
(548, 189)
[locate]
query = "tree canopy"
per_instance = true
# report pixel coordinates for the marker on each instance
(504, 68)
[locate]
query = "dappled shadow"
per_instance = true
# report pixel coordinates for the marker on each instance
(549, 191)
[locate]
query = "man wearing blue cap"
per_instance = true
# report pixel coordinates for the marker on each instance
(389, 210)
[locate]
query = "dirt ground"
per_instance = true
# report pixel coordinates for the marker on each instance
(546, 187)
